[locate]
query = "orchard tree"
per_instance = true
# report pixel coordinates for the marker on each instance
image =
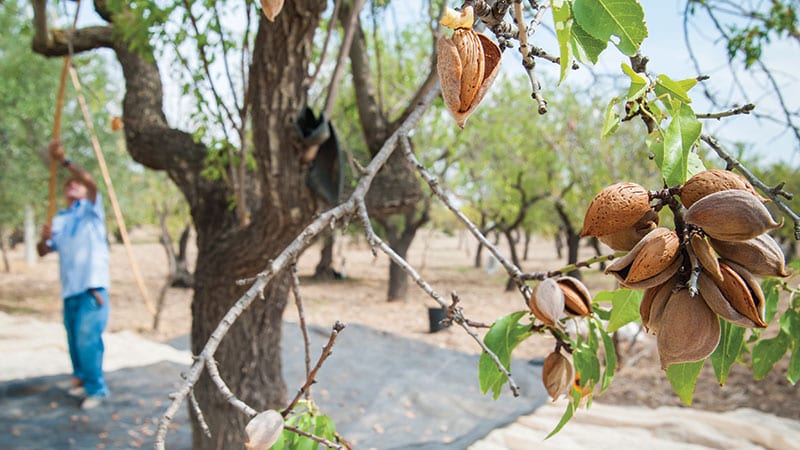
(257, 211)
(26, 107)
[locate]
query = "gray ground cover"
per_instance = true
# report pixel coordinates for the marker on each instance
(383, 391)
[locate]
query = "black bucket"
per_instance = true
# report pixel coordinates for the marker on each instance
(436, 316)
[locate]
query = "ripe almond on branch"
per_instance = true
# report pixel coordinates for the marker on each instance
(467, 64)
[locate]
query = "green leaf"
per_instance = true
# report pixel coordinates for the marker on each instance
(695, 165)
(795, 264)
(793, 373)
(625, 306)
(680, 137)
(675, 90)
(730, 346)
(280, 444)
(307, 424)
(683, 378)
(325, 428)
(772, 295)
(585, 46)
(612, 121)
(575, 401)
(638, 83)
(611, 360)
(767, 352)
(655, 142)
(505, 334)
(587, 365)
(790, 323)
(605, 18)
(562, 22)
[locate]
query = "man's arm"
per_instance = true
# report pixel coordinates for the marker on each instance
(41, 247)
(78, 172)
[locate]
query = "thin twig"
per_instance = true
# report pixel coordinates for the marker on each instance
(731, 112)
(321, 440)
(570, 267)
(230, 397)
(198, 413)
(280, 262)
(513, 271)
(331, 26)
(326, 352)
(298, 301)
(344, 51)
(527, 59)
(378, 243)
(772, 193)
(457, 315)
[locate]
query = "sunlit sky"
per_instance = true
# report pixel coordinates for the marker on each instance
(665, 46)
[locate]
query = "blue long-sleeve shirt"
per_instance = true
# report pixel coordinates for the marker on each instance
(79, 237)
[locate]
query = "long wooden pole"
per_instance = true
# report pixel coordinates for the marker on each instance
(56, 135)
(101, 162)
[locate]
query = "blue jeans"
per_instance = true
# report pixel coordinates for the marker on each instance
(85, 319)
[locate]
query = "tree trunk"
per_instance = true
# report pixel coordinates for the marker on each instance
(400, 242)
(30, 237)
(324, 270)
(573, 246)
(250, 355)
(509, 234)
(573, 238)
(527, 245)
(184, 278)
(3, 240)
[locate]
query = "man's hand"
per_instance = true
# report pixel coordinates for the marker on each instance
(41, 247)
(57, 151)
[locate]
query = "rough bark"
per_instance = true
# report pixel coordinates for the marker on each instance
(249, 357)
(573, 238)
(324, 270)
(400, 237)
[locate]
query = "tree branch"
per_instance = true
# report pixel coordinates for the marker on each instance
(326, 352)
(298, 300)
(282, 261)
(772, 193)
(731, 112)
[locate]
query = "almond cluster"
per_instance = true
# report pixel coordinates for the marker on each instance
(691, 277)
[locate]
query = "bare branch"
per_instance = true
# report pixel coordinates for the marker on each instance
(322, 441)
(199, 414)
(513, 271)
(326, 352)
(298, 301)
(331, 26)
(455, 314)
(349, 30)
(230, 397)
(283, 260)
(731, 112)
(527, 59)
(570, 267)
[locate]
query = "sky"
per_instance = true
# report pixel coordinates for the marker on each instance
(665, 46)
(766, 141)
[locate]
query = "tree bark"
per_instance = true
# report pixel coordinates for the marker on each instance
(573, 238)
(512, 245)
(400, 242)
(249, 356)
(324, 270)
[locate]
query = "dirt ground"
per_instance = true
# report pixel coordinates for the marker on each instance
(446, 262)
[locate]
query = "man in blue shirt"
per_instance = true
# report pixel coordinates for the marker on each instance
(78, 234)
